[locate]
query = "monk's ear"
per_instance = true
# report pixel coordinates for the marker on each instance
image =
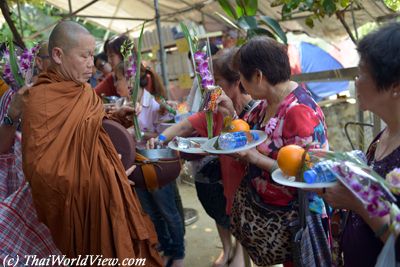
(57, 54)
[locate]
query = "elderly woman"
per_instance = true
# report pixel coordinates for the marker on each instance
(215, 198)
(378, 90)
(262, 208)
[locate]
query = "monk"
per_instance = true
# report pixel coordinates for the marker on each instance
(79, 185)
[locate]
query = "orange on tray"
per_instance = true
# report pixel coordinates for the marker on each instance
(290, 158)
(239, 125)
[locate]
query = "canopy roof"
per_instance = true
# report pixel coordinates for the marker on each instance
(129, 14)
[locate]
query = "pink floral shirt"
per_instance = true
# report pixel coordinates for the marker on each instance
(298, 120)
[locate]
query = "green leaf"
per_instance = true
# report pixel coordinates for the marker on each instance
(135, 91)
(286, 12)
(293, 4)
(249, 6)
(240, 12)
(228, 21)
(247, 22)
(309, 3)
(259, 31)
(344, 3)
(329, 6)
(274, 26)
(193, 49)
(210, 123)
(228, 8)
(310, 22)
(137, 80)
(393, 4)
(14, 65)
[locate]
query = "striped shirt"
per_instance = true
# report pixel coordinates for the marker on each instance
(20, 231)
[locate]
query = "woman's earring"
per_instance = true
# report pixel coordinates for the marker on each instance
(395, 94)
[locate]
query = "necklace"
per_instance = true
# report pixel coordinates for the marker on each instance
(385, 145)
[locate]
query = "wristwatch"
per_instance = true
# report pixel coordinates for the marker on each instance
(9, 121)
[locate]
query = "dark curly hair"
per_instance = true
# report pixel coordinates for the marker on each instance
(380, 50)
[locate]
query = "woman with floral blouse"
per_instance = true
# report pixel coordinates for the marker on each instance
(288, 115)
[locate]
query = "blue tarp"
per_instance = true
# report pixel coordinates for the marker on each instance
(314, 59)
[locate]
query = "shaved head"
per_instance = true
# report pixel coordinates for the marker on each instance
(44, 48)
(71, 50)
(65, 35)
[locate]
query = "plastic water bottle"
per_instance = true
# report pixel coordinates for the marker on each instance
(237, 139)
(320, 173)
(161, 141)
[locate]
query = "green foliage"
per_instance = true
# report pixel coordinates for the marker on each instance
(31, 2)
(135, 91)
(393, 4)
(244, 14)
(228, 8)
(14, 65)
(274, 26)
(37, 15)
(318, 8)
(248, 7)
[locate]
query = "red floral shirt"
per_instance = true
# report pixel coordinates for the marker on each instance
(298, 120)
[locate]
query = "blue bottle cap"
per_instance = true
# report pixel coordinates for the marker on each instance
(162, 138)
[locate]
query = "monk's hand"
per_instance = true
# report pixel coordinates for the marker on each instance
(15, 108)
(124, 111)
(151, 143)
(130, 171)
(138, 108)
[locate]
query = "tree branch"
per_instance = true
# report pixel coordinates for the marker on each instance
(340, 16)
(6, 13)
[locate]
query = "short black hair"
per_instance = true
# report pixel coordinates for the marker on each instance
(380, 50)
(264, 54)
(101, 56)
(222, 64)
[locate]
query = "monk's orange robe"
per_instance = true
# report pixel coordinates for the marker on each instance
(79, 186)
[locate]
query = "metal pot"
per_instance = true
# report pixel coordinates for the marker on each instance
(159, 153)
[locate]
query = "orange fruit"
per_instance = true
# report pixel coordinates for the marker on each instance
(239, 125)
(289, 159)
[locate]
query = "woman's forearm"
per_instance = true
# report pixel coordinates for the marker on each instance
(183, 128)
(261, 161)
(380, 225)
